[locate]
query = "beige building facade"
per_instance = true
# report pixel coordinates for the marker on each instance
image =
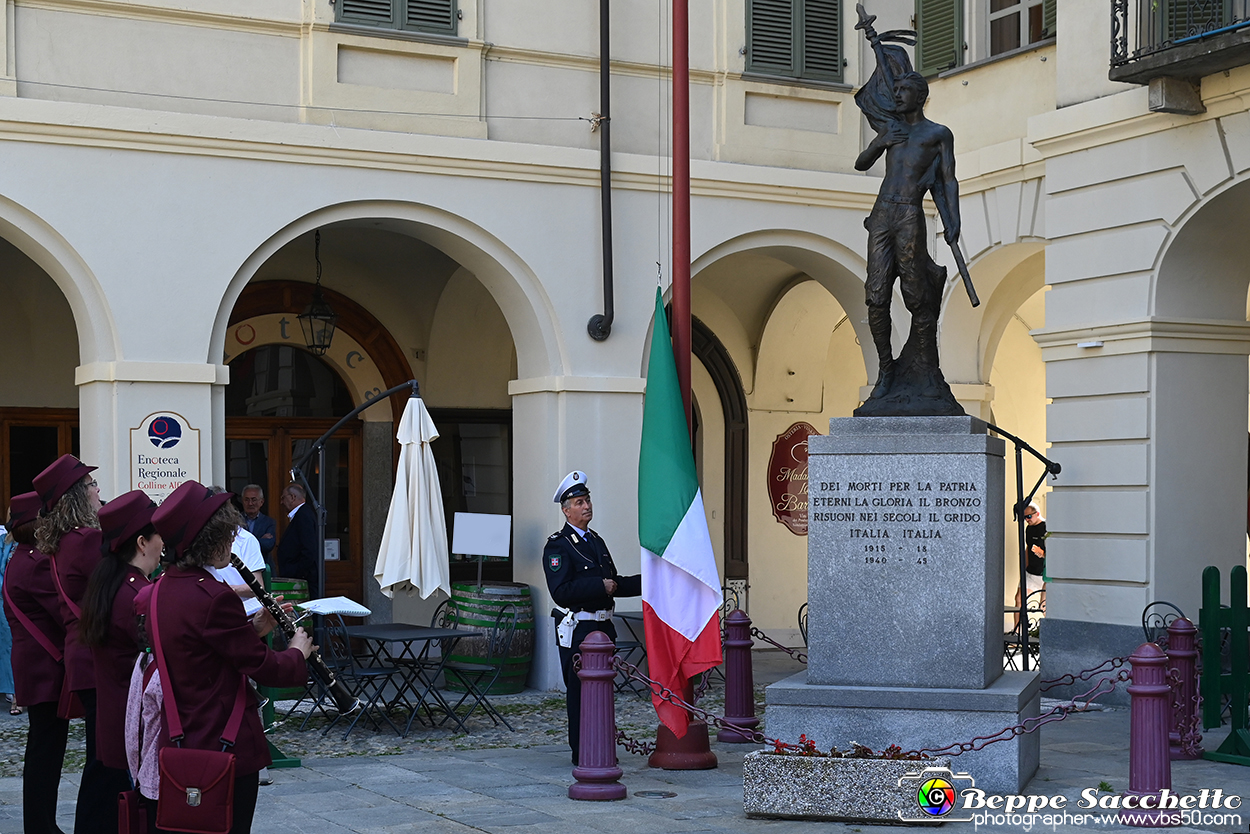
(167, 165)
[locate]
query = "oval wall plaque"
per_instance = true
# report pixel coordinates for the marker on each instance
(787, 477)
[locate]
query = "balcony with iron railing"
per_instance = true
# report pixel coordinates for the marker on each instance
(1184, 39)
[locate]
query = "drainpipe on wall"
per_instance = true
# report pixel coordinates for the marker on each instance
(600, 325)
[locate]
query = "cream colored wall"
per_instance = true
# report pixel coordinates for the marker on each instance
(1084, 28)
(711, 458)
(988, 106)
(38, 338)
(1019, 406)
(471, 356)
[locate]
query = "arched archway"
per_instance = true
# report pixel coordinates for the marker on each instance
(513, 285)
(715, 358)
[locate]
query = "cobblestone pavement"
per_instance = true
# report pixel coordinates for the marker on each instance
(492, 780)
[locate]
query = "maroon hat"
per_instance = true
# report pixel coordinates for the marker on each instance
(24, 508)
(184, 513)
(58, 478)
(122, 518)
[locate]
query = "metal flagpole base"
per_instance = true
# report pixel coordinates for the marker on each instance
(693, 751)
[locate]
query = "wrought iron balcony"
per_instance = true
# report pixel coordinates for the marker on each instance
(1177, 38)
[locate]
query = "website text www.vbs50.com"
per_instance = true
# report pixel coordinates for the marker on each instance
(941, 795)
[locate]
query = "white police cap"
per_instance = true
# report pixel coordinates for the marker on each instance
(574, 484)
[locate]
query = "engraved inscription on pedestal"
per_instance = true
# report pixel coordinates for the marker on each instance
(905, 564)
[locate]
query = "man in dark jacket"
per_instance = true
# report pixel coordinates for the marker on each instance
(264, 528)
(584, 583)
(297, 552)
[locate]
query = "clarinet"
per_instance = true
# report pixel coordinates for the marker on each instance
(343, 699)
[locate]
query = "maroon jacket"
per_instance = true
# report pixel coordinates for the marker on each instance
(209, 642)
(37, 677)
(74, 560)
(114, 662)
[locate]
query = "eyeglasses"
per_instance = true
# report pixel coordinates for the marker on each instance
(1029, 515)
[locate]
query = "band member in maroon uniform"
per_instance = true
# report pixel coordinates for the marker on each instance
(69, 534)
(209, 642)
(131, 553)
(34, 613)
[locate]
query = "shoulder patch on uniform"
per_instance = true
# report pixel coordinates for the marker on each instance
(552, 536)
(553, 562)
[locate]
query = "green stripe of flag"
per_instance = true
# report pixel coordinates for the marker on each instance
(667, 481)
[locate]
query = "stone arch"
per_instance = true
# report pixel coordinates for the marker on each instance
(367, 335)
(514, 286)
(1201, 270)
(93, 318)
(838, 269)
(1005, 277)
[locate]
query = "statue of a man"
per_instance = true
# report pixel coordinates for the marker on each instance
(919, 159)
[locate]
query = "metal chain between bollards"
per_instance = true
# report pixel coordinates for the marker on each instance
(1185, 720)
(801, 657)
(1108, 665)
(1029, 725)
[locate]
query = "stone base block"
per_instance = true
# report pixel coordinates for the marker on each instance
(914, 718)
(839, 790)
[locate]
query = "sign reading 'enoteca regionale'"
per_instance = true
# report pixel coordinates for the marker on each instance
(164, 453)
(787, 477)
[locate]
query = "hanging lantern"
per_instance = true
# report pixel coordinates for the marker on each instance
(318, 320)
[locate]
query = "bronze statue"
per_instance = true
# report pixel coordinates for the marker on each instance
(919, 160)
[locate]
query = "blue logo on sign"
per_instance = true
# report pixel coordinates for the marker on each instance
(165, 432)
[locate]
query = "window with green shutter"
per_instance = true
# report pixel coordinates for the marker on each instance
(434, 16)
(795, 39)
(939, 35)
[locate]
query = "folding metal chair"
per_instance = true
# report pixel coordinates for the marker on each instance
(478, 678)
(1155, 619)
(367, 683)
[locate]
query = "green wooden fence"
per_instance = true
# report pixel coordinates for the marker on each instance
(1216, 683)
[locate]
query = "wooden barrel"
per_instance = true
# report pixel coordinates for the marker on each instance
(294, 591)
(476, 610)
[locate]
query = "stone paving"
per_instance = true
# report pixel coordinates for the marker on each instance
(437, 781)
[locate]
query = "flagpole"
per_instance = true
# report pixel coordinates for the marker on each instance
(681, 201)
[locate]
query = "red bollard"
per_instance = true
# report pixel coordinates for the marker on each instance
(739, 679)
(597, 773)
(1149, 765)
(1183, 657)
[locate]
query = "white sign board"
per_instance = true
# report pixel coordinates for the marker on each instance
(481, 534)
(164, 454)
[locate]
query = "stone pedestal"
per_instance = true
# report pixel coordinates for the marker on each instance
(905, 610)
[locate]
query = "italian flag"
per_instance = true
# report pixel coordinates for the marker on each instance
(680, 587)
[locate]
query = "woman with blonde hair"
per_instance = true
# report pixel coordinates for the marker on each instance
(69, 535)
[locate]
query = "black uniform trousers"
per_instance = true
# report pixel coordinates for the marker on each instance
(41, 768)
(573, 684)
(96, 812)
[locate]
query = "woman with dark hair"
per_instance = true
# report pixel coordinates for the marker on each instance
(130, 553)
(69, 534)
(34, 614)
(209, 643)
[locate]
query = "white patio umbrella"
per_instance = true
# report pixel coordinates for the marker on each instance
(413, 556)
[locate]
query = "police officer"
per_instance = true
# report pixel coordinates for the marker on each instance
(583, 583)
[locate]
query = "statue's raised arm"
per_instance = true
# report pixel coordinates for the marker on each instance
(919, 159)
